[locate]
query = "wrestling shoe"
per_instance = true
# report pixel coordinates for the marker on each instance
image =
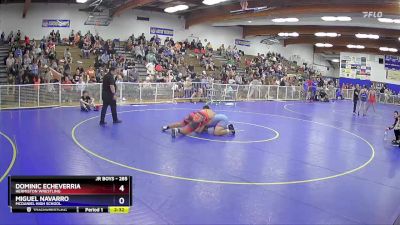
(231, 129)
(164, 128)
(174, 131)
(117, 121)
(103, 124)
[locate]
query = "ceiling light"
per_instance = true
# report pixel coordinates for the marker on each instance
(332, 34)
(388, 20)
(385, 20)
(323, 34)
(343, 18)
(249, 21)
(279, 20)
(356, 46)
(335, 60)
(369, 36)
(292, 20)
(176, 8)
(323, 45)
(328, 18)
(170, 10)
(212, 2)
(386, 49)
(293, 34)
(336, 18)
(181, 7)
(285, 20)
(361, 35)
(81, 1)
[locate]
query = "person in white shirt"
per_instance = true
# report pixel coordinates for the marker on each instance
(10, 61)
(150, 68)
(253, 88)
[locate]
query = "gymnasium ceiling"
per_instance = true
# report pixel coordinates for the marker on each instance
(309, 13)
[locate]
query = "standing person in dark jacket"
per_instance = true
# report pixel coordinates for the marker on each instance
(356, 98)
(396, 128)
(109, 96)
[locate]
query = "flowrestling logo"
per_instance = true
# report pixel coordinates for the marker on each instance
(161, 31)
(373, 14)
(56, 23)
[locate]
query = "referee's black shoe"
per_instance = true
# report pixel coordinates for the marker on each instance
(117, 121)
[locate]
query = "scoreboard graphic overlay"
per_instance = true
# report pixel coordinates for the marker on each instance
(70, 194)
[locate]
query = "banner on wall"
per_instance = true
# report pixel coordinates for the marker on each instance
(242, 42)
(355, 67)
(56, 23)
(393, 75)
(161, 31)
(392, 65)
(392, 62)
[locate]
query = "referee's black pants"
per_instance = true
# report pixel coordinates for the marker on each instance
(113, 105)
(354, 106)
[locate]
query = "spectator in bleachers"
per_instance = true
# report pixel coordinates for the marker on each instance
(58, 37)
(10, 63)
(18, 36)
(34, 69)
(27, 59)
(187, 87)
(67, 55)
(209, 47)
(18, 53)
(2, 37)
(170, 57)
(141, 39)
(86, 50)
(76, 77)
(10, 37)
(139, 53)
(105, 58)
(46, 74)
(91, 74)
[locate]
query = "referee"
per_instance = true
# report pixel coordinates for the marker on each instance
(109, 97)
(356, 97)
